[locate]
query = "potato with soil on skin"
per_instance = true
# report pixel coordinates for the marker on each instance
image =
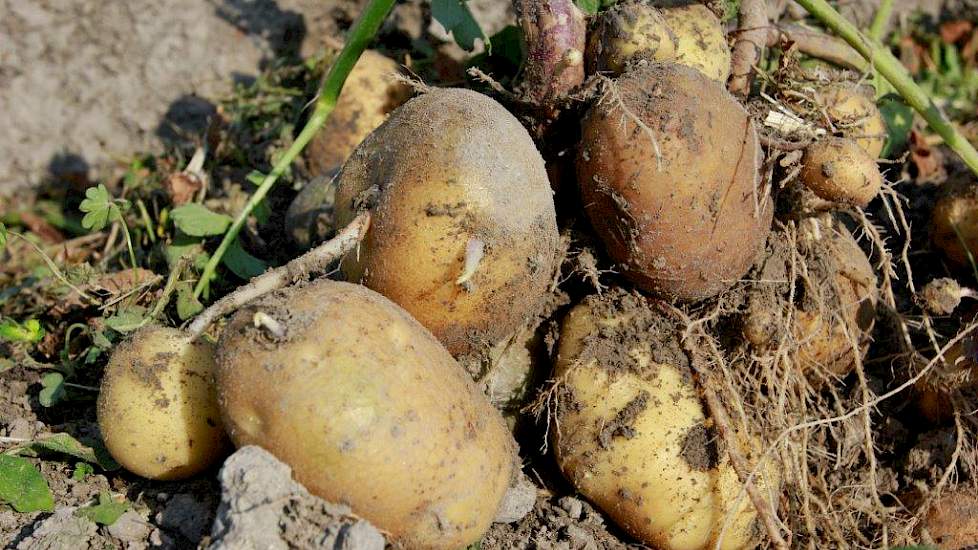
(825, 320)
(630, 431)
(952, 521)
(854, 112)
(691, 227)
(839, 170)
(368, 409)
(954, 224)
(958, 374)
(635, 31)
(463, 233)
(157, 407)
(370, 93)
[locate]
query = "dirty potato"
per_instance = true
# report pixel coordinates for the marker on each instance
(854, 112)
(668, 170)
(954, 224)
(839, 170)
(630, 431)
(157, 407)
(464, 233)
(368, 409)
(701, 40)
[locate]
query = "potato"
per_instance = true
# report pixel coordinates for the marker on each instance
(370, 93)
(635, 31)
(959, 372)
(702, 42)
(631, 435)
(954, 224)
(854, 112)
(157, 408)
(839, 170)
(842, 301)
(627, 32)
(368, 409)
(952, 521)
(691, 227)
(464, 233)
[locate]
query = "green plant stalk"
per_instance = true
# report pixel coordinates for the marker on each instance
(361, 34)
(132, 253)
(891, 69)
(877, 27)
(150, 229)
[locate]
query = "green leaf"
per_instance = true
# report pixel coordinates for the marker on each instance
(196, 220)
(127, 319)
(187, 303)
(81, 471)
(455, 16)
(66, 444)
(241, 263)
(106, 512)
(99, 208)
(594, 6)
(30, 331)
(52, 389)
(898, 117)
(3, 236)
(23, 486)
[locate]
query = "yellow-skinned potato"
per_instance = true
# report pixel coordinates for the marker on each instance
(368, 409)
(691, 227)
(854, 112)
(627, 32)
(635, 31)
(839, 170)
(463, 232)
(954, 224)
(157, 408)
(632, 436)
(842, 304)
(369, 94)
(702, 43)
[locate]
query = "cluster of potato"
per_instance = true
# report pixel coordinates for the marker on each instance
(361, 387)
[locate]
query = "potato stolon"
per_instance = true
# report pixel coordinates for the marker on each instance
(368, 409)
(630, 432)
(464, 232)
(668, 169)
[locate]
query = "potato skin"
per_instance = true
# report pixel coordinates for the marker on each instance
(839, 170)
(369, 95)
(631, 433)
(701, 41)
(157, 408)
(855, 113)
(627, 32)
(368, 409)
(956, 212)
(953, 520)
(693, 228)
(448, 170)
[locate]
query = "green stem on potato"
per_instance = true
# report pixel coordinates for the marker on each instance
(878, 26)
(890, 67)
(361, 34)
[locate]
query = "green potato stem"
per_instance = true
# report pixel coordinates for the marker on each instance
(360, 36)
(892, 70)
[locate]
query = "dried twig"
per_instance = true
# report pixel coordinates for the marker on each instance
(751, 39)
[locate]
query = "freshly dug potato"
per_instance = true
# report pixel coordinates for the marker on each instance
(954, 224)
(369, 95)
(854, 112)
(368, 409)
(839, 170)
(464, 232)
(701, 41)
(952, 522)
(635, 31)
(157, 408)
(690, 227)
(842, 300)
(631, 435)
(958, 373)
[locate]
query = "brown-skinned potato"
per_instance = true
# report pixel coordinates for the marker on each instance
(691, 227)
(839, 170)
(954, 223)
(463, 232)
(368, 409)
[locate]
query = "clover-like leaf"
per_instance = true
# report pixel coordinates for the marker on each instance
(30, 331)
(99, 208)
(52, 389)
